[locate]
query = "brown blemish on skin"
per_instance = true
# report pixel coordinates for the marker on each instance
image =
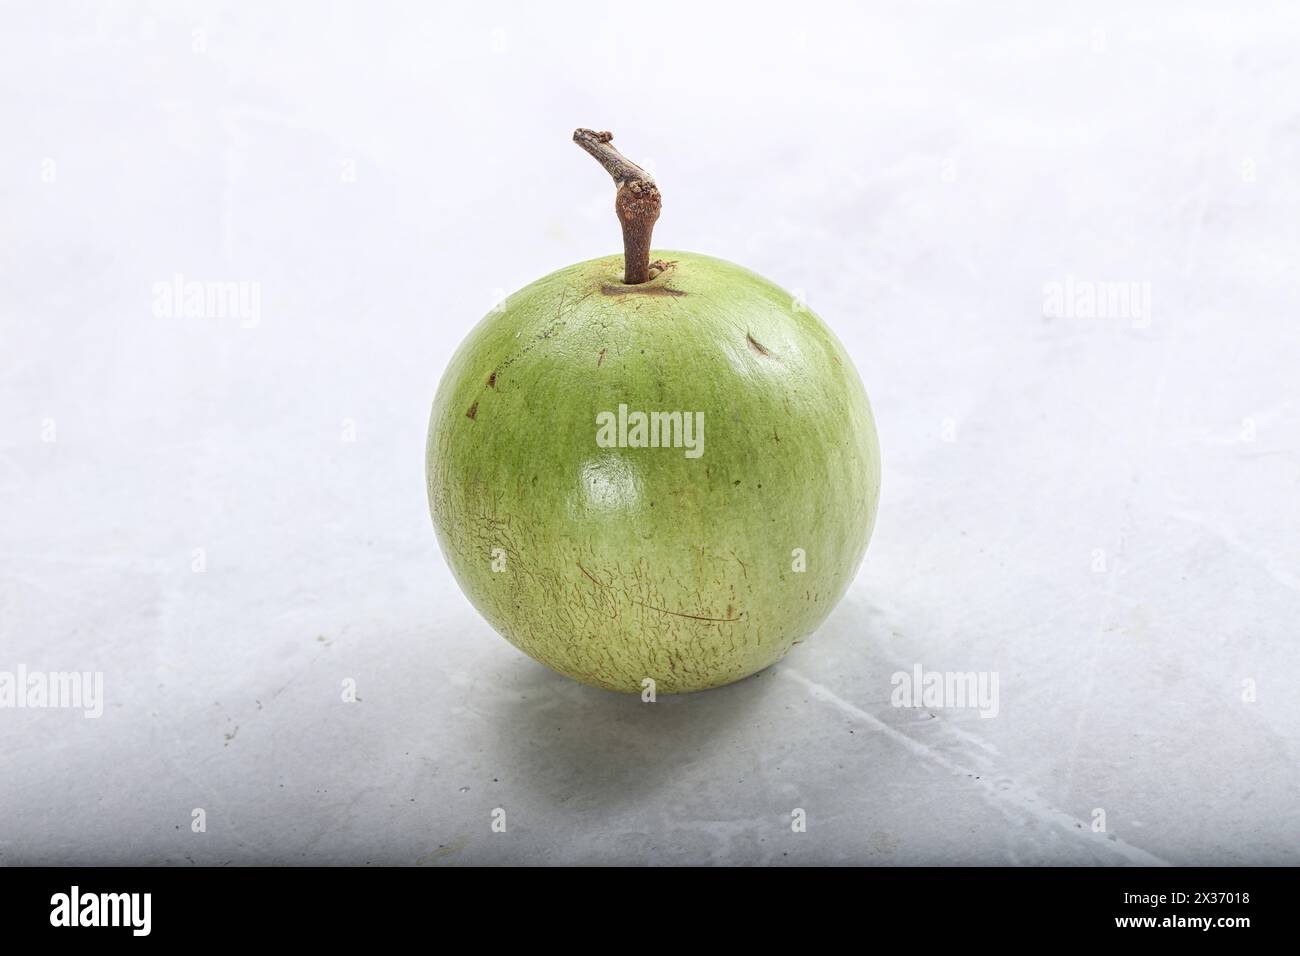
(693, 617)
(759, 348)
(492, 379)
(473, 411)
(600, 358)
(640, 290)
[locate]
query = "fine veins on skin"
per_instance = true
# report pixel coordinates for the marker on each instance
(636, 290)
(664, 610)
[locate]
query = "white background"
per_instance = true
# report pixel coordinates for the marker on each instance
(1104, 514)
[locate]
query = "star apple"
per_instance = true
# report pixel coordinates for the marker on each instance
(655, 467)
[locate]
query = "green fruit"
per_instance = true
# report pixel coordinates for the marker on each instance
(618, 564)
(695, 563)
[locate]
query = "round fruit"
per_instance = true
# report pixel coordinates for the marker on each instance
(670, 480)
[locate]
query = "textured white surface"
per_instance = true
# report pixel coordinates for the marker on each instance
(919, 173)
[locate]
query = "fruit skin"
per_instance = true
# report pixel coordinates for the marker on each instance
(622, 564)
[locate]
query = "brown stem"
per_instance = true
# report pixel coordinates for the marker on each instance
(636, 203)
